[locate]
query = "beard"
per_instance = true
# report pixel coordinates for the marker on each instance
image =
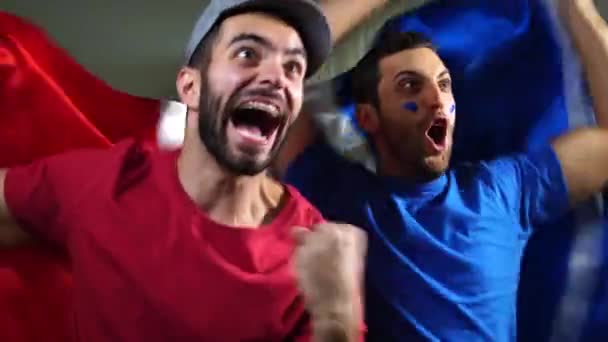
(408, 149)
(212, 126)
(423, 168)
(433, 167)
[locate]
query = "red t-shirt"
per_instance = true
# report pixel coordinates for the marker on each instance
(148, 265)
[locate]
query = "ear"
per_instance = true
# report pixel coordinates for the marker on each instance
(188, 85)
(367, 117)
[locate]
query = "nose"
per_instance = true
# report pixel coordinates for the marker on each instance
(432, 98)
(272, 74)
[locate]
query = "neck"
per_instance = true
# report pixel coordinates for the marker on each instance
(388, 166)
(229, 199)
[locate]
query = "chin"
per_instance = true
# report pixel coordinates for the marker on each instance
(242, 164)
(434, 168)
(236, 155)
(244, 168)
(241, 160)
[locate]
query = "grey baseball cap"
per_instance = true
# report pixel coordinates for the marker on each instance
(305, 16)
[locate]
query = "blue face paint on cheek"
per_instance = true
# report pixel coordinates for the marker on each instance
(411, 106)
(453, 109)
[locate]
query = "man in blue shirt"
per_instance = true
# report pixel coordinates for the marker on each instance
(445, 245)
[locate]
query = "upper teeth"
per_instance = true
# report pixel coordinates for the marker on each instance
(269, 108)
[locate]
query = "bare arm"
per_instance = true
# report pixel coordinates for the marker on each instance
(589, 32)
(301, 135)
(343, 16)
(10, 234)
(303, 132)
(584, 153)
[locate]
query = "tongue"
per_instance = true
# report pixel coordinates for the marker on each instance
(251, 132)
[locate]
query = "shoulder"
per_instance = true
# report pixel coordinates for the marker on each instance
(305, 213)
(121, 160)
(320, 169)
(95, 158)
(48, 188)
(530, 177)
(516, 167)
(76, 163)
(320, 159)
(91, 169)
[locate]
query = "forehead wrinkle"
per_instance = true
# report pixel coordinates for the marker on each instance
(416, 61)
(244, 30)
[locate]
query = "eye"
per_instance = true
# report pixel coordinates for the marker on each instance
(445, 85)
(409, 85)
(246, 53)
(294, 68)
(405, 84)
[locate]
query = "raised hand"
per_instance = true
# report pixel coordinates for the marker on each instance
(329, 262)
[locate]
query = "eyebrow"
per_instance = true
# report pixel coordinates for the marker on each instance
(266, 43)
(444, 73)
(296, 51)
(406, 73)
(417, 74)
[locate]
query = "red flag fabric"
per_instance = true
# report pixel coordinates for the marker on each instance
(49, 104)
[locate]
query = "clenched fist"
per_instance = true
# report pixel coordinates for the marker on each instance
(329, 262)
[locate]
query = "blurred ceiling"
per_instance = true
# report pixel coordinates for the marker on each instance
(137, 45)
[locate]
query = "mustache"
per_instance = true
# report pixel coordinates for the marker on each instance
(263, 92)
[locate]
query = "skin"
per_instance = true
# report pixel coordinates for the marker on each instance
(240, 56)
(258, 54)
(254, 57)
(253, 53)
(229, 180)
(400, 134)
(226, 176)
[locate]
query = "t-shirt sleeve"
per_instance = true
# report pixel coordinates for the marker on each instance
(315, 173)
(39, 194)
(531, 185)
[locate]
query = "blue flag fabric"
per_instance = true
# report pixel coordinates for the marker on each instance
(517, 83)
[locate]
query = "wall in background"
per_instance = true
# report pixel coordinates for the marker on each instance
(137, 45)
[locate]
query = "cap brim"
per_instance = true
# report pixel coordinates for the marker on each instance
(303, 15)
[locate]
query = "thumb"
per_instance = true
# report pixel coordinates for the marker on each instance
(361, 241)
(299, 234)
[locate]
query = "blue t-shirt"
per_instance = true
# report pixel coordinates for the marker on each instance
(444, 256)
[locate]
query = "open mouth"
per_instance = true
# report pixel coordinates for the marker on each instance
(257, 122)
(438, 132)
